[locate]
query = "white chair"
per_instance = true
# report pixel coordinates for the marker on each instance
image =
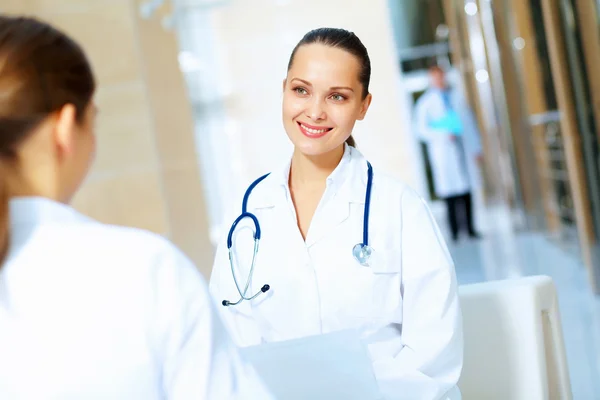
(514, 346)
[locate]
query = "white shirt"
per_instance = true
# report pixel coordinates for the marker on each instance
(405, 303)
(91, 311)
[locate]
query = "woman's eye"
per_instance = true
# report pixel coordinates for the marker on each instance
(301, 91)
(338, 97)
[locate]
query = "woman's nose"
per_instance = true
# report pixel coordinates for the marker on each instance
(316, 110)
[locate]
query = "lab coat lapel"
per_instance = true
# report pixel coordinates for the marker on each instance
(336, 211)
(348, 188)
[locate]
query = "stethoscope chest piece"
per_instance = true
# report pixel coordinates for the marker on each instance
(362, 253)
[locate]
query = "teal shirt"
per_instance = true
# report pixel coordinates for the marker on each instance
(450, 122)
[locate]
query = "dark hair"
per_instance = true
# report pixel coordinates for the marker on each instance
(41, 71)
(345, 40)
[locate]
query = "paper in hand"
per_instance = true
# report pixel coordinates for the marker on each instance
(330, 366)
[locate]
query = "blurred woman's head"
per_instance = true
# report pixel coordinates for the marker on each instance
(326, 90)
(46, 110)
(437, 77)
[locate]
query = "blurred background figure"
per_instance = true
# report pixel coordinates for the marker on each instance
(190, 93)
(445, 123)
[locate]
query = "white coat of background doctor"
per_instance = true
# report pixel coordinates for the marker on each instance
(454, 157)
(311, 213)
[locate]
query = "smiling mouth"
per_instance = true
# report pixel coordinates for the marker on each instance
(313, 132)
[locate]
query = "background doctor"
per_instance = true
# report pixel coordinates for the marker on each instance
(454, 149)
(311, 213)
(88, 311)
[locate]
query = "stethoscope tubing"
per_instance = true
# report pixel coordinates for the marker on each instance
(257, 235)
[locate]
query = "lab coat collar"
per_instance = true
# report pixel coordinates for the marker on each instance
(26, 214)
(283, 175)
(30, 211)
(347, 182)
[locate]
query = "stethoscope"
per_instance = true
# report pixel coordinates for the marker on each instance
(361, 251)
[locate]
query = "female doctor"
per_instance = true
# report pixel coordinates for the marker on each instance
(87, 310)
(338, 243)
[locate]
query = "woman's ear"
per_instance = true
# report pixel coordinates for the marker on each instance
(284, 83)
(65, 128)
(366, 103)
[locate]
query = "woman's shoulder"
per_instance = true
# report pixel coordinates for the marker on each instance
(396, 189)
(131, 249)
(388, 188)
(258, 191)
(137, 242)
(147, 260)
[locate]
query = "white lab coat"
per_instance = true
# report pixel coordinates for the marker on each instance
(450, 177)
(405, 303)
(91, 311)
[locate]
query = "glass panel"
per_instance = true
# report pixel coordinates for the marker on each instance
(584, 105)
(539, 100)
(541, 45)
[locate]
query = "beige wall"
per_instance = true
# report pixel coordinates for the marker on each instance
(146, 172)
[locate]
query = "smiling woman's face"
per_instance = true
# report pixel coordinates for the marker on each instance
(322, 98)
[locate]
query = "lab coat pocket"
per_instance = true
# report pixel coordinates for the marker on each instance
(382, 283)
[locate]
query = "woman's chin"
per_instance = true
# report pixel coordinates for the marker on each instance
(310, 147)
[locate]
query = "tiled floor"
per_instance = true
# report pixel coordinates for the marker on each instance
(504, 254)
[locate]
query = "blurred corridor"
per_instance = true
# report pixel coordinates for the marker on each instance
(190, 100)
(505, 253)
(528, 71)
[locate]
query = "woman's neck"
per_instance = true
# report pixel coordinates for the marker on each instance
(308, 170)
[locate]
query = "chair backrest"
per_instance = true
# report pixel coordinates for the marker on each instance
(514, 346)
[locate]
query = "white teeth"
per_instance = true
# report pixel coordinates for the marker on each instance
(314, 131)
